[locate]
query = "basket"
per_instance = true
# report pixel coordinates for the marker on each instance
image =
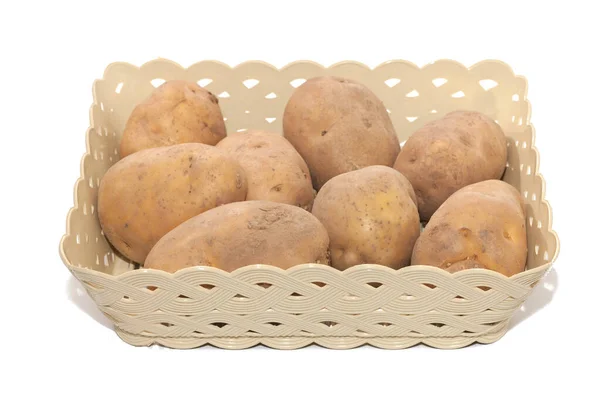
(310, 303)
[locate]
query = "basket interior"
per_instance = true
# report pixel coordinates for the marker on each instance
(253, 95)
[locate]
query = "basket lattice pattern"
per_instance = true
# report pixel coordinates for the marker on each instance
(367, 303)
(309, 303)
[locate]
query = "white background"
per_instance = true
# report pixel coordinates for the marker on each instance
(56, 343)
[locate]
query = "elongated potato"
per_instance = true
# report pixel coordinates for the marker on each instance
(240, 234)
(176, 112)
(371, 217)
(462, 148)
(480, 226)
(275, 170)
(147, 194)
(339, 125)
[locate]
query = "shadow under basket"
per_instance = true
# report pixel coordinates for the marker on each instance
(309, 303)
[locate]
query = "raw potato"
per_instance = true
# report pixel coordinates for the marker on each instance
(480, 226)
(339, 125)
(371, 217)
(176, 112)
(240, 234)
(145, 195)
(275, 170)
(462, 148)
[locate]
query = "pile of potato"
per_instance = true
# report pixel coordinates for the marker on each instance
(335, 189)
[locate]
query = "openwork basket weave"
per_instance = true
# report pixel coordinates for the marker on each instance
(309, 303)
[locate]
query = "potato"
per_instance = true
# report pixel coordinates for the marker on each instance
(462, 148)
(176, 112)
(275, 170)
(147, 194)
(240, 234)
(480, 226)
(338, 125)
(371, 217)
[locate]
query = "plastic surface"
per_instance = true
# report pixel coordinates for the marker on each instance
(309, 303)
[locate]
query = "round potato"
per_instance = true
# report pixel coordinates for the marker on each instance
(240, 234)
(338, 125)
(275, 170)
(462, 148)
(145, 195)
(480, 226)
(371, 217)
(176, 112)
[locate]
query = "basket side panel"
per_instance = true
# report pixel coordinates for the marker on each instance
(364, 303)
(84, 244)
(523, 173)
(253, 94)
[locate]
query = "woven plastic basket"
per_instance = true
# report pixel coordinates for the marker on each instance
(309, 303)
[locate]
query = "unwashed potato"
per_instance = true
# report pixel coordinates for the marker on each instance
(462, 148)
(147, 194)
(371, 217)
(176, 112)
(275, 170)
(480, 226)
(338, 125)
(240, 234)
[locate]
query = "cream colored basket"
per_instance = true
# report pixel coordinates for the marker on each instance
(309, 303)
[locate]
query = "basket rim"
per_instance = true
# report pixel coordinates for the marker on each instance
(289, 271)
(547, 266)
(334, 65)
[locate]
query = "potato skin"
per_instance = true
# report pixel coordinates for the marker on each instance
(338, 125)
(145, 195)
(371, 217)
(275, 170)
(176, 112)
(480, 226)
(243, 233)
(462, 148)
